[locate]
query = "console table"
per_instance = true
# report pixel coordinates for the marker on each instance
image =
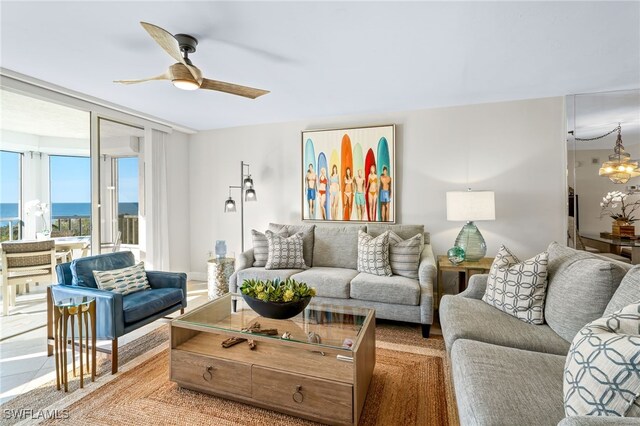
(613, 245)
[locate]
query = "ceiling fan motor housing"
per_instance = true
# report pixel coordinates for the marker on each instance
(187, 43)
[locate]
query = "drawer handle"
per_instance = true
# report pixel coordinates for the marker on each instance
(297, 395)
(208, 373)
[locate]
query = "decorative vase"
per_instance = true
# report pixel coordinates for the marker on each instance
(472, 242)
(221, 249)
(456, 255)
(277, 310)
(622, 228)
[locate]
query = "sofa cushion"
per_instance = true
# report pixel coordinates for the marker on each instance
(373, 254)
(143, 304)
(601, 374)
(473, 319)
(395, 289)
(124, 281)
(627, 293)
(403, 231)
(496, 385)
(336, 246)
(261, 246)
(307, 237)
(518, 288)
(82, 268)
(404, 254)
(580, 287)
(257, 273)
(285, 252)
(328, 282)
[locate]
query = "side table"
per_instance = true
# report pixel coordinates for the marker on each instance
(66, 311)
(219, 270)
(465, 270)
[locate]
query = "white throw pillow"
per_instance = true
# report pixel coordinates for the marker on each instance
(518, 288)
(373, 254)
(125, 281)
(602, 371)
(404, 255)
(285, 252)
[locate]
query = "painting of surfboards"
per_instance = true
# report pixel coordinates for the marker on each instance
(310, 161)
(346, 175)
(351, 152)
(383, 161)
(323, 187)
(371, 179)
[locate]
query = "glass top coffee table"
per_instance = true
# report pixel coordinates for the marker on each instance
(317, 365)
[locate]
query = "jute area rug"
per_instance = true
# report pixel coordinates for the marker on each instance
(410, 386)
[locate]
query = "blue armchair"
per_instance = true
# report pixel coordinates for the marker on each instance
(117, 315)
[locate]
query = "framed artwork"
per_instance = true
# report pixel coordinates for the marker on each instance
(348, 175)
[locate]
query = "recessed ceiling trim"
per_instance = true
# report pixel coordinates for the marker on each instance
(17, 82)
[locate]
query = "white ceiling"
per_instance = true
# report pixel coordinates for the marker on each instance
(332, 58)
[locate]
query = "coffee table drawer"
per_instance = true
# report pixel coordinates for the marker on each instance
(211, 373)
(303, 394)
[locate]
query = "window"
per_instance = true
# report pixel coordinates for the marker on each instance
(10, 195)
(70, 195)
(128, 199)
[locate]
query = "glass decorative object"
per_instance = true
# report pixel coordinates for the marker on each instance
(472, 242)
(456, 255)
(221, 249)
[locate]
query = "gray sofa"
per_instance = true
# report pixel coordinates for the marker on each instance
(508, 372)
(332, 252)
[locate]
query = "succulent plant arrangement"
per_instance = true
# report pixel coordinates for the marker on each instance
(277, 290)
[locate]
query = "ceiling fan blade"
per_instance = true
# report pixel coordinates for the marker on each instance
(234, 89)
(163, 76)
(169, 44)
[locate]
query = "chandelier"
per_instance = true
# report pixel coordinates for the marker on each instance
(620, 167)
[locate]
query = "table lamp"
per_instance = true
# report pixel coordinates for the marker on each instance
(471, 206)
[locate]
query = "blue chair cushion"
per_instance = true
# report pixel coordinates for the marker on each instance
(143, 304)
(82, 269)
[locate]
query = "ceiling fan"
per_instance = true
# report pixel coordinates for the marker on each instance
(183, 74)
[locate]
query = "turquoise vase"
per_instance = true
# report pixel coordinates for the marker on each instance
(471, 241)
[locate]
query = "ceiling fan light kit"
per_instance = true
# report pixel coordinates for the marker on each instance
(183, 74)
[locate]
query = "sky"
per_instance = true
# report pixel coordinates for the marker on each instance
(70, 179)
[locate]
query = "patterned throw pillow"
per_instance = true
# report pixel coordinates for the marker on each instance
(285, 252)
(518, 288)
(373, 254)
(602, 371)
(404, 255)
(261, 247)
(126, 280)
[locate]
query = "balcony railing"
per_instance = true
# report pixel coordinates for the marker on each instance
(128, 226)
(10, 228)
(70, 226)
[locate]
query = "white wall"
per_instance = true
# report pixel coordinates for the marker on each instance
(516, 148)
(178, 196)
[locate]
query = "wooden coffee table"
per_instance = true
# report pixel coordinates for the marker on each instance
(322, 372)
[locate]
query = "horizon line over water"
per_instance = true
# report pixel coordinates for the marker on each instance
(10, 210)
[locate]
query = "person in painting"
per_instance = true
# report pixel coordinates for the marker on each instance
(360, 190)
(372, 193)
(347, 194)
(335, 192)
(311, 179)
(385, 194)
(322, 191)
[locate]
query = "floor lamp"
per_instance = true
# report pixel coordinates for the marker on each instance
(247, 193)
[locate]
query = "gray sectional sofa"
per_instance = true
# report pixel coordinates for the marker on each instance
(508, 372)
(331, 252)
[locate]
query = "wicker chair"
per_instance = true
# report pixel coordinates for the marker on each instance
(24, 262)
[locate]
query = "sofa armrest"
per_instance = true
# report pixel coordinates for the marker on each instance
(161, 279)
(243, 261)
(476, 288)
(109, 311)
(427, 272)
(599, 420)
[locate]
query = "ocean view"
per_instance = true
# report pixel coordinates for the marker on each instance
(10, 210)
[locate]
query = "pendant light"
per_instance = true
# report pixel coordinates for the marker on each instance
(620, 167)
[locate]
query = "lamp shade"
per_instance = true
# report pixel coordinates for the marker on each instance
(470, 206)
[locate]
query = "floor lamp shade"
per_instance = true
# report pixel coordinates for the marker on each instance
(470, 206)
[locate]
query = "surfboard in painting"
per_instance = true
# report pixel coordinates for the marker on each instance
(369, 160)
(383, 161)
(310, 158)
(346, 161)
(333, 161)
(322, 164)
